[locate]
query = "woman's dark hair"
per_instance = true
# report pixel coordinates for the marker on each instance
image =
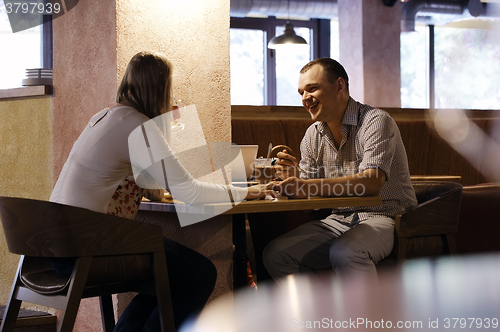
(147, 83)
(333, 69)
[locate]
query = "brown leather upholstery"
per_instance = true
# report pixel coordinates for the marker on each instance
(104, 247)
(38, 275)
(479, 229)
(428, 154)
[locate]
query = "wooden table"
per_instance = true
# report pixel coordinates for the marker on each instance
(446, 294)
(451, 178)
(239, 211)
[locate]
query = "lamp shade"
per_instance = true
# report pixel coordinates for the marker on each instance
(288, 37)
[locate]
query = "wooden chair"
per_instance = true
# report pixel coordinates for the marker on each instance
(430, 228)
(102, 245)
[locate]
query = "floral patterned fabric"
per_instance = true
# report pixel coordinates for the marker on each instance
(126, 199)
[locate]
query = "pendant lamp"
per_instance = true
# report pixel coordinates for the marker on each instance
(289, 37)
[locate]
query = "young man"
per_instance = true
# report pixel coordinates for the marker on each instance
(351, 149)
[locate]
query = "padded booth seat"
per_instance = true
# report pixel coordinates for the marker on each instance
(428, 154)
(479, 226)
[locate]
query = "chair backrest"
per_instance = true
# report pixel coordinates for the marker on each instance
(429, 190)
(47, 229)
(436, 213)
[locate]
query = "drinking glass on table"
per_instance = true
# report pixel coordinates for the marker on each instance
(264, 172)
(176, 115)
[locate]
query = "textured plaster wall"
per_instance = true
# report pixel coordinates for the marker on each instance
(25, 164)
(194, 35)
(84, 71)
(370, 50)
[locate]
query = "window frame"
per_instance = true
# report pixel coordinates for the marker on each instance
(47, 42)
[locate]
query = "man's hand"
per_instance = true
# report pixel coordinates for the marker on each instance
(291, 187)
(288, 165)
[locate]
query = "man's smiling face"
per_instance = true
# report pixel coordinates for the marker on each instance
(321, 98)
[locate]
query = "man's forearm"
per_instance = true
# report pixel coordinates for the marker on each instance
(367, 183)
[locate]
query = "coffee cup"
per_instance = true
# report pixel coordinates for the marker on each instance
(263, 171)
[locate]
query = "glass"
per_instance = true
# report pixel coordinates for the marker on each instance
(20, 51)
(247, 67)
(289, 60)
(467, 75)
(175, 124)
(414, 68)
(467, 70)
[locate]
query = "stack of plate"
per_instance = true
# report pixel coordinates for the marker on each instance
(38, 76)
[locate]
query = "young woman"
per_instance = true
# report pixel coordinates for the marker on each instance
(98, 176)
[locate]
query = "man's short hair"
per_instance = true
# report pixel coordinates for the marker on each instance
(333, 69)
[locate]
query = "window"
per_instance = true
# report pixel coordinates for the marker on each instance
(247, 67)
(288, 65)
(466, 72)
(414, 68)
(22, 50)
(260, 76)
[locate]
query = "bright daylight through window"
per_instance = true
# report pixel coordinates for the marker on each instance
(19, 51)
(467, 74)
(248, 67)
(289, 61)
(467, 68)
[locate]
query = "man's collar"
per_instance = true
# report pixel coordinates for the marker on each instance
(350, 116)
(351, 113)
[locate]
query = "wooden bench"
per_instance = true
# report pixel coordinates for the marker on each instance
(428, 154)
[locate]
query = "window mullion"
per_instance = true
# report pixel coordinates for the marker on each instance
(432, 70)
(47, 42)
(270, 65)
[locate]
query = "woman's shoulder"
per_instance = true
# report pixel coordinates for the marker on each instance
(122, 119)
(126, 115)
(121, 111)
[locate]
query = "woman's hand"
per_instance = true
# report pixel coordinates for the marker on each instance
(259, 191)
